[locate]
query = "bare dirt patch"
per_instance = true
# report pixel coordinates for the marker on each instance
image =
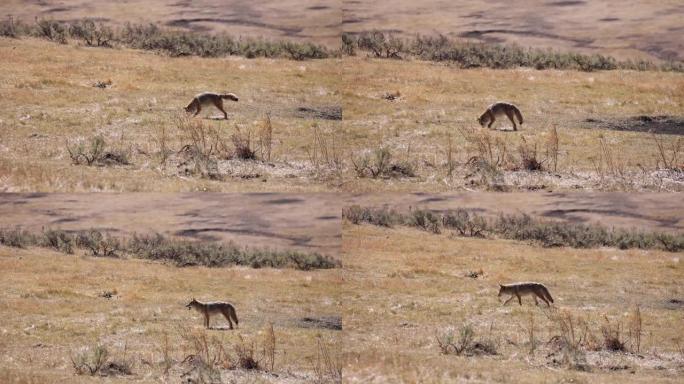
(323, 112)
(659, 124)
(322, 322)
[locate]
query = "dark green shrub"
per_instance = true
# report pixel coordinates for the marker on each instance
(16, 237)
(520, 227)
(94, 35)
(58, 240)
(52, 30)
(425, 220)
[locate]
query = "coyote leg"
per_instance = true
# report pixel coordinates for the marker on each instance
(227, 316)
(511, 118)
(219, 105)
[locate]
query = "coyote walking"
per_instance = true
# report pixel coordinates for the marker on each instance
(207, 98)
(500, 109)
(211, 307)
(522, 289)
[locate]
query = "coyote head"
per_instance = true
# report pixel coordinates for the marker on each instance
(501, 290)
(483, 119)
(192, 303)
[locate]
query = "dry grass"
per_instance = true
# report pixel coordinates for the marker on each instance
(285, 133)
(49, 100)
(406, 286)
(55, 311)
(571, 120)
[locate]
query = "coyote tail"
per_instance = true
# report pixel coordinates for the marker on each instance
(230, 96)
(517, 113)
(544, 290)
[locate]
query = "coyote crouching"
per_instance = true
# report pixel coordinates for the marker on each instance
(500, 109)
(207, 98)
(212, 307)
(522, 289)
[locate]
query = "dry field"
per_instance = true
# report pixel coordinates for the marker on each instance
(49, 99)
(626, 29)
(57, 307)
(602, 120)
(406, 288)
(304, 20)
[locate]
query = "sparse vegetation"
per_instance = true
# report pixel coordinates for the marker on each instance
(324, 153)
(95, 152)
(480, 55)
(98, 361)
(380, 164)
(465, 344)
(169, 41)
(433, 311)
(518, 227)
(327, 365)
(157, 247)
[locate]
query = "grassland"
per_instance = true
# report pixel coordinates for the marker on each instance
(406, 289)
(49, 100)
(57, 307)
(587, 130)
(601, 121)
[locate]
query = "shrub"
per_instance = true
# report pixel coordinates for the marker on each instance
(16, 237)
(465, 343)
(528, 156)
(380, 164)
(242, 144)
(97, 361)
(425, 220)
(377, 216)
(157, 247)
(98, 244)
(484, 55)
(212, 254)
(172, 42)
(51, 30)
(95, 152)
(90, 362)
(465, 223)
(519, 227)
(94, 35)
(11, 28)
(58, 240)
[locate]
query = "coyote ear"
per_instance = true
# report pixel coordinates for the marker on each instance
(501, 285)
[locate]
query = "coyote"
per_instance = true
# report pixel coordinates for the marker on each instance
(521, 289)
(207, 98)
(499, 109)
(212, 307)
